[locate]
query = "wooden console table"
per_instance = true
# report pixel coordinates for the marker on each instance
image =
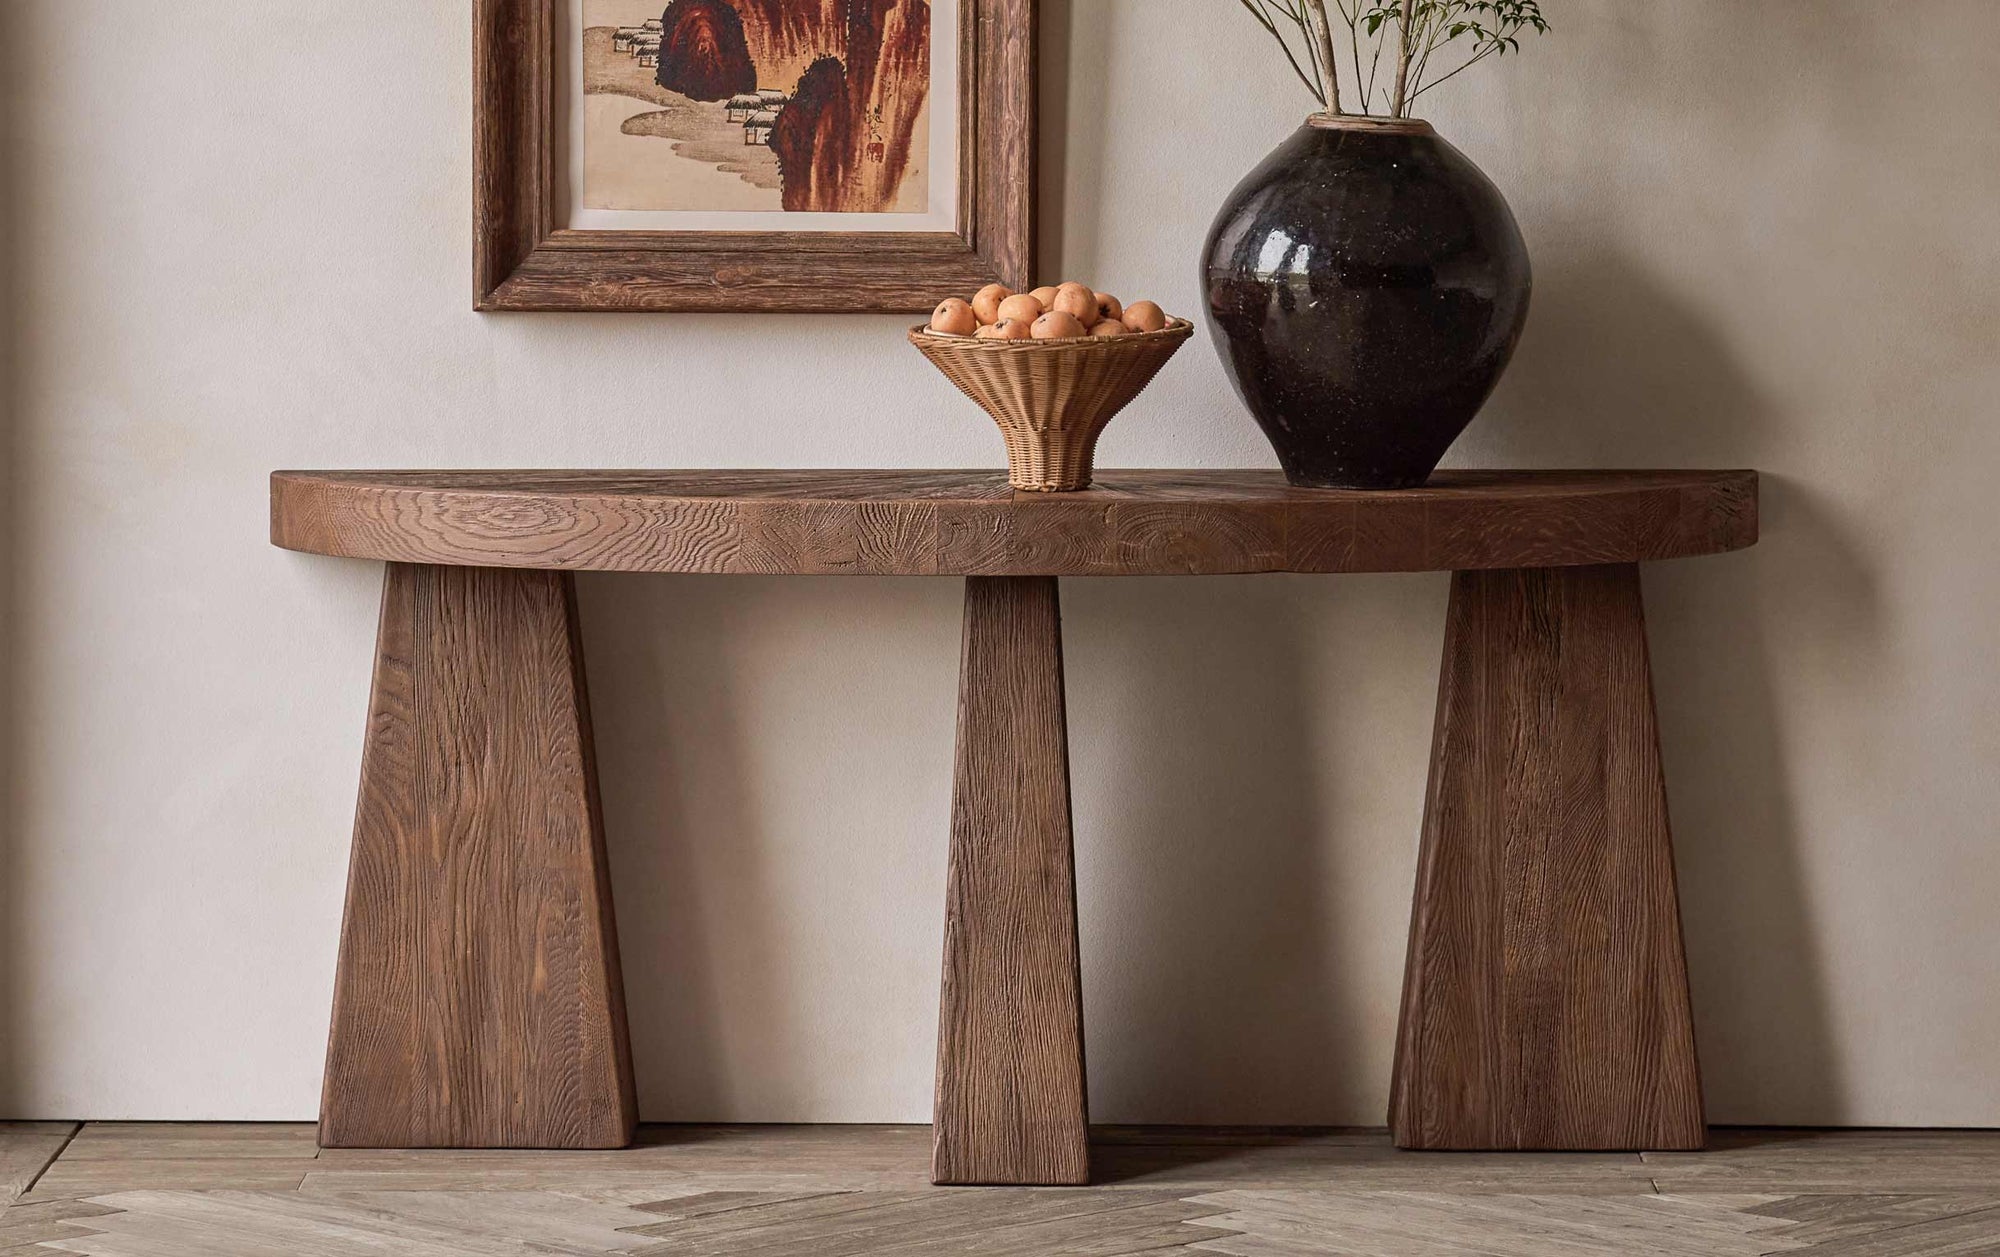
(479, 999)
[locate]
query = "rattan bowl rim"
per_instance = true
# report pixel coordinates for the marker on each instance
(1175, 329)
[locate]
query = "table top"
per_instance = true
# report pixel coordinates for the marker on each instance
(970, 523)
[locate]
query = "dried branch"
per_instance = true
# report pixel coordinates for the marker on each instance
(1322, 46)
(1423, 30)
(1399, 104)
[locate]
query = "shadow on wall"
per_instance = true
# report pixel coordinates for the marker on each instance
(14, 942)
(1055, 48)
(674, 794)
(1616, 371)
(1203, 856)
(782, 954)
(781, 923)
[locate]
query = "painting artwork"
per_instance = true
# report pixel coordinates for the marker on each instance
(757, 105)
(751, 155)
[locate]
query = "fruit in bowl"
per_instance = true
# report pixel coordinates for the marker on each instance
(954, 317)
(1084, 355)
(1084, 312)
(1058, 325)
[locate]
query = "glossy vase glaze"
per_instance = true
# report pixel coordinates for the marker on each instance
(1366, 287)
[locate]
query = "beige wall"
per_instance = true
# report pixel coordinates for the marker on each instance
(1765, 234)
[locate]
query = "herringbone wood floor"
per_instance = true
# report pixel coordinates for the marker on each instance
(120, 1190)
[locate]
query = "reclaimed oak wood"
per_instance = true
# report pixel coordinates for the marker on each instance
(1010, 1082)
(1567, 899)
(525, 257)
(478, 1001)
(969, 523)
(1545, 1000)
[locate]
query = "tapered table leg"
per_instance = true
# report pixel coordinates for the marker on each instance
(1545, 1002)
(1010, 1082)
(478, 1001)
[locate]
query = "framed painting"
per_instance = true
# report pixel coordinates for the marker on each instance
(751, 155)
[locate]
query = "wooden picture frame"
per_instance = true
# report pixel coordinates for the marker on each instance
(524, 258)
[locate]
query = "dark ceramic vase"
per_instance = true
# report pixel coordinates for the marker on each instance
(1366, 287)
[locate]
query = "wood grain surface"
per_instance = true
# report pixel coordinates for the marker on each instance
(971, 523)
(1010, 1082)
(478, 1001)
(526, 258)
(1545, 1000)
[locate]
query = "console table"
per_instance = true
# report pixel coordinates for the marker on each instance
(479, 1000)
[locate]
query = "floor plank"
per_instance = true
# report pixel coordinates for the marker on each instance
(1837, 1162)
(997, 1220)
(87, 1180)
(26, 1148)
(291, 1224)
(1421, 1224)
(1828, 1220)
(193, 1141)
(167, 1156)
(1976, 1232)
(661, 1159)
(1194, 1161)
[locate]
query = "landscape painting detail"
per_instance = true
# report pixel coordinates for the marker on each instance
(757, 105)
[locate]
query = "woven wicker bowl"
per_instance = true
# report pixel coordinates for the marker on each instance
(1052, 398)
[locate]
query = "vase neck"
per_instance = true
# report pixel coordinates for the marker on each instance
(1369, 123)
